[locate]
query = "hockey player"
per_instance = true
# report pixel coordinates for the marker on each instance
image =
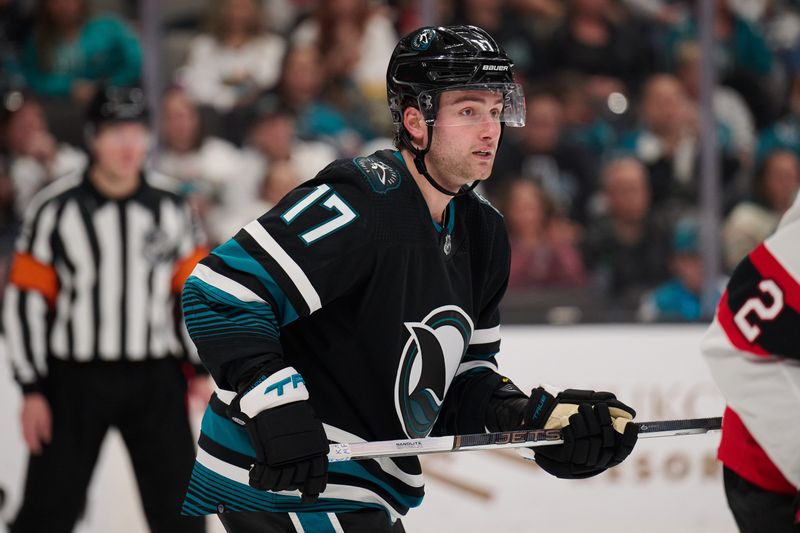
(753, 350)
(364, 307)
(88, 316)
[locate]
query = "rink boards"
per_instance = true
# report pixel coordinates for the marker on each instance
(670, 484)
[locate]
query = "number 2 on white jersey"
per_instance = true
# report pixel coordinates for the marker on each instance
(334, 202)
(756, 305)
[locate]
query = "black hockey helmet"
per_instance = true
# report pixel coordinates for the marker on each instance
(116, 104)
(431, 60)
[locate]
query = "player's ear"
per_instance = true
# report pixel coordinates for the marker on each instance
(415, 125)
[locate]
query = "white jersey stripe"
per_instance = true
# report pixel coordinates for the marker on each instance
(76, 244)
(225, 396)
(337, 526)
(339, 435)
(107, 225)
(40, 247)
(37, 311)
(485, 336)
(292, 269)
(58, 338)
(57, 187)
(14, 343)
(160, 316)
(225, 284)
(464, 367)
(347, 492)
(138, 221)
(784, 246)
(298, 527)
(239, 475)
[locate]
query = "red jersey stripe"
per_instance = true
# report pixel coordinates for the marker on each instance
(770, 268)
(740, 452)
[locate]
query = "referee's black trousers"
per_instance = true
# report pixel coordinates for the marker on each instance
(146, 402)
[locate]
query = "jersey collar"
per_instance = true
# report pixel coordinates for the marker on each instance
(450, 210)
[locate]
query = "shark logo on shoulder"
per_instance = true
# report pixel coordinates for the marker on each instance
(380, 175)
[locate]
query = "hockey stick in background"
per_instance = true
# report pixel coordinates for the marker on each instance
(503, 439)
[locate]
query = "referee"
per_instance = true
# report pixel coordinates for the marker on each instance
(92, 327)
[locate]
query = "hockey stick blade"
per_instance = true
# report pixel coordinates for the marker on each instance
(502, 440)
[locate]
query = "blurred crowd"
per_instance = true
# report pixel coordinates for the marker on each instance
(600, 190)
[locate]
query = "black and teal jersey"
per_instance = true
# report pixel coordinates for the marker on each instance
(381, 310)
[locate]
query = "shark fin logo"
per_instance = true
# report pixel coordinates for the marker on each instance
(381, 176)
(429, 362)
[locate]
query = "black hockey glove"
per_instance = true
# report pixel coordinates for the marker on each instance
(594, 426)
(290, 443)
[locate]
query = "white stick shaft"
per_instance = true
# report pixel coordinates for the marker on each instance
(502, 440)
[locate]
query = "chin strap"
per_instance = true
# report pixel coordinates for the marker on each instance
(419, 163)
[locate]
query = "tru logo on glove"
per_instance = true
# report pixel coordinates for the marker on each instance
(267, 392)
(294, 379)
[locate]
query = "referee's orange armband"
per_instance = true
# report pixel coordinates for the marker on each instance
(184, 267)
(29, 274)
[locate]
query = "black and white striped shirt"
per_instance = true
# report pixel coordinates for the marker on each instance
(95, 279)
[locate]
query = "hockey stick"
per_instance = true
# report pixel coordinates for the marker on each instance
(502, 439)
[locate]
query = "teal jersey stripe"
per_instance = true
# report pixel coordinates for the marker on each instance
(193, 510)
(198, 294)
(226, 433)
(352, 468)
(451, 216)
(199, 298)
(205, 323)
(316, 522)
(455, 323)
(451, 219)
(215, 487)
(232, 253)
(234, 437)
(208, 489)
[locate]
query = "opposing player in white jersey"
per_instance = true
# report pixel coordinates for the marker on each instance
(753, 350)
(364, 306)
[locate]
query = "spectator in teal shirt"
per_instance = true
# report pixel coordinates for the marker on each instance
(679, 299)
(69, 53)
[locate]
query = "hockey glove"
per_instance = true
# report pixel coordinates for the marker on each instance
(288, 438)
(594, 426)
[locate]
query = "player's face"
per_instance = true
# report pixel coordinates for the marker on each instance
(465, 137)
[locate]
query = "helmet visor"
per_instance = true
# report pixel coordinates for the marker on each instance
(475, 103)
